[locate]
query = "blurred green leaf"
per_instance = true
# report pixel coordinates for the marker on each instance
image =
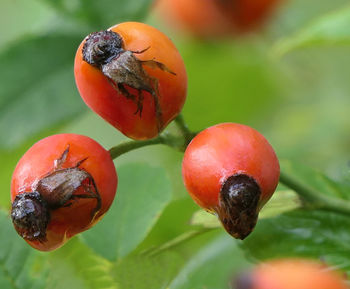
(176, 242)
(31, 17)
(281, 201)
(143, 192)
(17, 260)
(8, 161)
(162, 233)
(156, 267)
(331, 29)
(76, 266)
(312, 126)
(38, 89)
(139, 272)
(229, 82)
(292, 15)
(302, 233)
(205, 219)
(104, 13)
(315, 180)
(212, 266)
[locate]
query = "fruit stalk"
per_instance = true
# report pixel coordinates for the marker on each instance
(314, 199)
(311, 198)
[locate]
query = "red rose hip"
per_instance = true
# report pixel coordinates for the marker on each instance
(232, 170)
(215, 18)
(62, 185)
(291, 274)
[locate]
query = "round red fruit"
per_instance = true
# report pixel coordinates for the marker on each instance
(232, 170)
(291, 274)
(133, 76)
(63, 185)
(216, 18)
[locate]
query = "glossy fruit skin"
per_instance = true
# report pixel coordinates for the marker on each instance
(98, 93)
(216, 18)
(226, 150)
(38, 161)
(292, 274)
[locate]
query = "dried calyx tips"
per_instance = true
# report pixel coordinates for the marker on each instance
(30, 216)
(101, 47)
(238, 205)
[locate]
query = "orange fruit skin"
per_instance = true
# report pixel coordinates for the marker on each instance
(216, 18)
(296, 274)
(223, 150)
(115, 108)
(38, 161)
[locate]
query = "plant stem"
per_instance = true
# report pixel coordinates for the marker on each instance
(177, 142)
(313, 198)
(181, 124)
(127, 146)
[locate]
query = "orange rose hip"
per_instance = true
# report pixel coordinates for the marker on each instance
(133, 76)
(291, 274)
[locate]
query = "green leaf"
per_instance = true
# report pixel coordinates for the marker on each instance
(242, 83)
(21, 16)
(331, 29)
(176, 242)
(76, 266)
(301, 233)
(104, 13)
(143, 192)
(315, 180)
(17, 260)
(205, 219)
(282, 201)
(157, 266)
(38, 89)
(162, 233)
(139, 272)
(212, 266)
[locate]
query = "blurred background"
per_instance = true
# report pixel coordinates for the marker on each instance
(289, 79)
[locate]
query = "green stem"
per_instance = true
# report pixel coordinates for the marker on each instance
(313, 198)
(181, 124)
(176, 142)
(127, 146)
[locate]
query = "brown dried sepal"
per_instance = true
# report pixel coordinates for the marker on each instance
(30, 216)
(105, 50)
(238, 205)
